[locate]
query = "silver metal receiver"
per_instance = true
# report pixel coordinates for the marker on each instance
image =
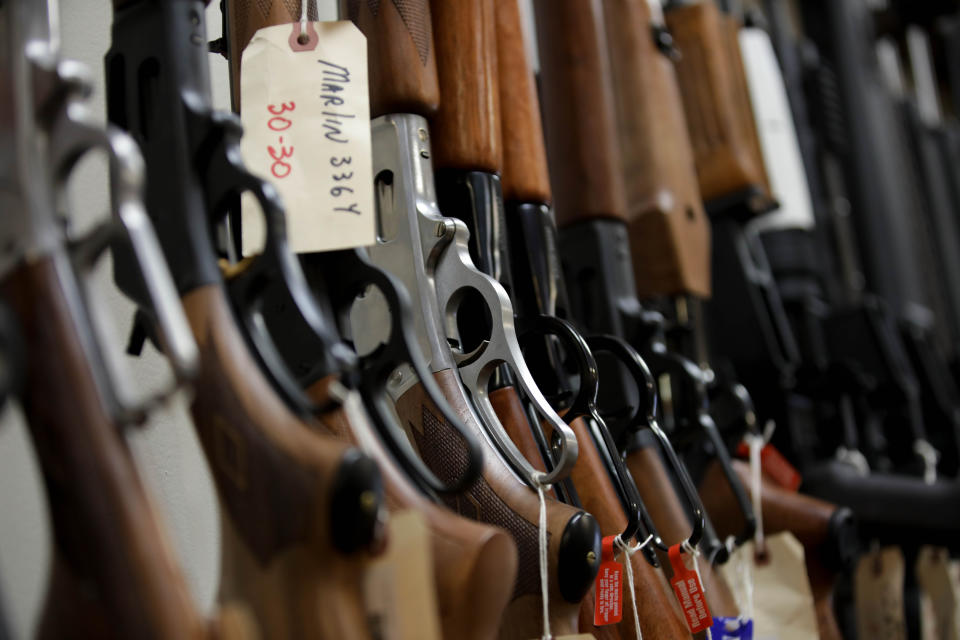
(46, 129)
(429, 253)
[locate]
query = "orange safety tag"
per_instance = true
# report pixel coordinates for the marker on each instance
(774, 465)
(686, 585)
(609, 587)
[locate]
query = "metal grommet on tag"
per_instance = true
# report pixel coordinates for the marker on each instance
(303, 39)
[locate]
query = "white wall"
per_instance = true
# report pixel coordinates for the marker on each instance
(166, 449)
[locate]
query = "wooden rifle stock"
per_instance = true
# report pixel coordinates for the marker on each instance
(400, 55)
(719, 116)
(668, 230)
(114, 572)
(500, 499)
(525, 177)
(810, 519)
(297, 507)
(672, 522)
(466, 127)
(475, 565)
(579, 117)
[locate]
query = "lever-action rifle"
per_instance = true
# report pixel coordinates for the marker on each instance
(299, 510)
(114, 572)
(474, 564)
(429, 254)
(601, 484)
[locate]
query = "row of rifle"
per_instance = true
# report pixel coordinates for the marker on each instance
(585, 300)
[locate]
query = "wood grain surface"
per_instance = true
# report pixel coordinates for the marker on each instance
(714, 107)
(274, 476)
(668, 230)
(674, 526)
(466, 127)
(498, 498)
(400, 54)
(579, 115)
(525, 177)
(475, 565)
(114, 573)
(658, 618)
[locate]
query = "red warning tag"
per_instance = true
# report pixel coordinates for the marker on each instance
(609, 587)
(774, 465)
(686, 585)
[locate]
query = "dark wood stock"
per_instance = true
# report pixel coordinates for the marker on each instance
(671, 521)
(805, 517)
(475, 565)
(498, 498)
(718, 111)
(114, 572)
(274, 476)
(400, 54)
(466, 127)
(525, 177)
(579, 116)
(658, 617)
(668, 230)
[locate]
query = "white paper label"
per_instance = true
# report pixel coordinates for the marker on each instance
(306, 119)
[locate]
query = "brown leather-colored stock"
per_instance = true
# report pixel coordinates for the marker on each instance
(669, 232)
(474, 565)
(672, 522)
(525, 177)
(466, 127)
(506, 403)
(498, 498)
(718, 112)
(400, 54)
(658, 617)
(579, 116)
(274, 476)
(805, 517)
(115, 574)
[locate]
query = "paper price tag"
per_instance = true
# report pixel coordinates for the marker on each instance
(878, 591)
(306, 121)
(608, 587)
(727, 628)
(686, 585)
(775, 466)
(941, 593)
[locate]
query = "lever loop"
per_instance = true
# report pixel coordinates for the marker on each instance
(584, 405)
(347, 274)
(645, 416)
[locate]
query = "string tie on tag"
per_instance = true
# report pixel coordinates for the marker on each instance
(629, 550)
(755, 442)
(694, 554)
(304, 6)
(542, 540)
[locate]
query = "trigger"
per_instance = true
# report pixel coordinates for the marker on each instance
(463, 359)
